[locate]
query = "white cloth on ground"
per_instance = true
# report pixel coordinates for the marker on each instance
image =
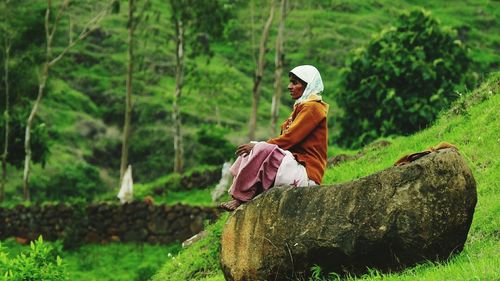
(126, 194)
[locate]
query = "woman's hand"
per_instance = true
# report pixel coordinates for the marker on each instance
(244, 149)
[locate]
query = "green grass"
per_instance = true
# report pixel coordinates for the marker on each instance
(196, 197)
(473, 125)
(478, 261)
(119, 262)
(200, 261)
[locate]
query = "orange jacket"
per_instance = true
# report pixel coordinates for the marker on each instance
(305, 135)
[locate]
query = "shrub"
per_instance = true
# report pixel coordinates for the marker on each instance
(23, 25)
(79, 181)
(401, 80)
(151, 153)
(213, 149)
(144, 273)
(40, 147)
(41, 262)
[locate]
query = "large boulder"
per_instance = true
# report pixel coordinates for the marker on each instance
(388, 220)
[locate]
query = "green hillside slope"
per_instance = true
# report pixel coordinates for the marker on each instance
(473, 125)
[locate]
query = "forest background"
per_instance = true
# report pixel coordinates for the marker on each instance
(78, 129)
(80, 119)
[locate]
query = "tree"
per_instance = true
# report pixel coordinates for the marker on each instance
(278, 63)
(131, 26)
(194, 22)
(18, 81)
(178, 18)
(7, 46)
(259, 72)
(50, 61)
(401, 80)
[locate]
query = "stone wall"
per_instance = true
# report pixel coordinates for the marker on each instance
(103, 222)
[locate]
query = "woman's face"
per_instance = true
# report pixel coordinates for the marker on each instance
(295, 87)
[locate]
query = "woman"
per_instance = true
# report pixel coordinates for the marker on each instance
(298, 156)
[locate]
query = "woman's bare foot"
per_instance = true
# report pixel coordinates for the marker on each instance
(230, 205)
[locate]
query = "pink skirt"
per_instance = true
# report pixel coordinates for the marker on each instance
(255, 172)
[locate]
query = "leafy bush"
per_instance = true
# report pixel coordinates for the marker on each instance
(80, 181)
(213, 149)
(106, 151)
(17, 127)
(41, 263)
(144, 273)
(21, 25)
(401, 80)
(151, 153)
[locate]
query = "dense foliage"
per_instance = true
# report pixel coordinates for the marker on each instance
(40, 144)
(214, 149)
(41, 262)
(83, 108)
(21, 34)
(401, 80)
(79, 181)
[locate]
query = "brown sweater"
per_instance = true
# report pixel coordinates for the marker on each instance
(305, 135)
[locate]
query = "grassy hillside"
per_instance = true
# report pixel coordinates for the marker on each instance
(473, 125)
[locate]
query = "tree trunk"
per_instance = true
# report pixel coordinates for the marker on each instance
(34, 109)
(7, 120)
(259, 73)
(252, 31)
(27, 138)
(128, 97)
(217, 115)
(49, 62)
(176, 115)
(279, 69)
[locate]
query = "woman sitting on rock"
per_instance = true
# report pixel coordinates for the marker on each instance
(297, 157)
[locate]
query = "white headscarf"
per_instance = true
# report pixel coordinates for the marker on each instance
(311, 76)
